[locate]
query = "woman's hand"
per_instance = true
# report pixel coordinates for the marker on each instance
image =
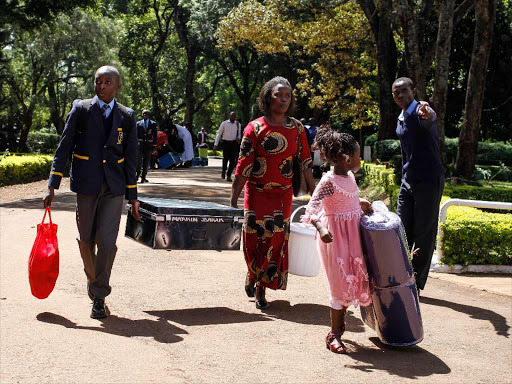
(366, 206)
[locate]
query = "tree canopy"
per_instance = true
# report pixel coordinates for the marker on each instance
(197, 60)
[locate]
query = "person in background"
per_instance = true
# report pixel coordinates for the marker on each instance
(310, 140)
(422, 183)
(265, 169)
(230, 134)
(146, 130)
(202, 143)
(188, 153)
(193, 136)
(312, 129)
(162, 147)
(101, 136)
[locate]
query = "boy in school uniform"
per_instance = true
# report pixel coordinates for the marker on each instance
(101, 137)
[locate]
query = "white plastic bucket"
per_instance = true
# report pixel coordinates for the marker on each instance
(303, 258)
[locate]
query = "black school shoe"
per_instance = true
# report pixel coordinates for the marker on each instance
(98, 309)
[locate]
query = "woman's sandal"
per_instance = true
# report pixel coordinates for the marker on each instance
(261, 303)
(249, 285)
(334, 344)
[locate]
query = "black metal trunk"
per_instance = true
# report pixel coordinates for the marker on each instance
(186, 224)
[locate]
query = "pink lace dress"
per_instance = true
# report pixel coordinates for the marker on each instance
(335, 203)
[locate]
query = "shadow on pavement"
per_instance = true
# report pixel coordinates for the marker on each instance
(65, 201)
(160, 330)
(499, 322)
(407, 362)
(207, 316)
(312, 314)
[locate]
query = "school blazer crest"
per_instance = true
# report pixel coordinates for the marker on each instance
(95, 156)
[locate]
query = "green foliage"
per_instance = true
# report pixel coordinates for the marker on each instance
(43, 142)
(471, 236)
(494, 153)
(371, 140)
(486, 193)
(488, 153)
(384, 150)
(23, 169)
(498, 173)
(329, 45)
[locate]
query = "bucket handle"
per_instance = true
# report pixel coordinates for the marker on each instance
(296, 210)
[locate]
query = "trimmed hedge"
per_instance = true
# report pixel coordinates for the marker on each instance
(485, 193)
(471, 236)
(487, 154)
(43, 142)
(24, 169)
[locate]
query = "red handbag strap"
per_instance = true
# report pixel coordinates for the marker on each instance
(48, 209)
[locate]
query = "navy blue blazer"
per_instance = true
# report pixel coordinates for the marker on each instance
(94, 156)
(147, 139)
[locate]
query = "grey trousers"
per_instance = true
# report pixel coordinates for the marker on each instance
(97, 219)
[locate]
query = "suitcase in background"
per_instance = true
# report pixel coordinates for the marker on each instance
(168, 160)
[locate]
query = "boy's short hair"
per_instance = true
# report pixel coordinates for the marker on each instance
(109, 69)
(408, 82)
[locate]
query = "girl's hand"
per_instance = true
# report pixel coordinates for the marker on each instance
(325, 235)
(366, 206)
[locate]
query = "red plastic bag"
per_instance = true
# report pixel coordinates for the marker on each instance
(43, 264)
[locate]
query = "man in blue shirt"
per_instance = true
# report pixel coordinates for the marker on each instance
(422, 176)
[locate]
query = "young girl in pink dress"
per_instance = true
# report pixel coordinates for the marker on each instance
(335, 210)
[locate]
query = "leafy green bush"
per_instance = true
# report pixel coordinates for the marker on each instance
(23, 169)
(214, 153)
(471, 236)
(370, 140)
(384, 150)
(498, 173)
(378, 175)
(487, 154)
(485, 193)
(494, 153)
(43, 142)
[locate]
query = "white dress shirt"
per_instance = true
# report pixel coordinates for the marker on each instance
(228, 131)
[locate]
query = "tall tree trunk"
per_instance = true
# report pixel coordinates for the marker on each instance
(485, 12)
(28, 113)
(153, 86)
(443, 51)
(381, 23)
(412, 47)
(56, 118)
(190, 100)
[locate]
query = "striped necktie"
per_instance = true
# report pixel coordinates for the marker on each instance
(104, 110)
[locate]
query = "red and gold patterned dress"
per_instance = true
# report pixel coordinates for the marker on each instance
(266, 159)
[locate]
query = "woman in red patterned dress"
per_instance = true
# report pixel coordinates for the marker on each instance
(265, 168)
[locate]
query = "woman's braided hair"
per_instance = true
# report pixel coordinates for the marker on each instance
(265, 96)
(331, 143)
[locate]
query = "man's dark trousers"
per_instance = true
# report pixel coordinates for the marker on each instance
(143, 161)
(98, 217)
(418, 207)
(229, 150)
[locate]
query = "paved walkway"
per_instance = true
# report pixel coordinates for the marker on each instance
(183, 317)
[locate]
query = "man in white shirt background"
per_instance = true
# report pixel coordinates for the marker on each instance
(230, 134)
